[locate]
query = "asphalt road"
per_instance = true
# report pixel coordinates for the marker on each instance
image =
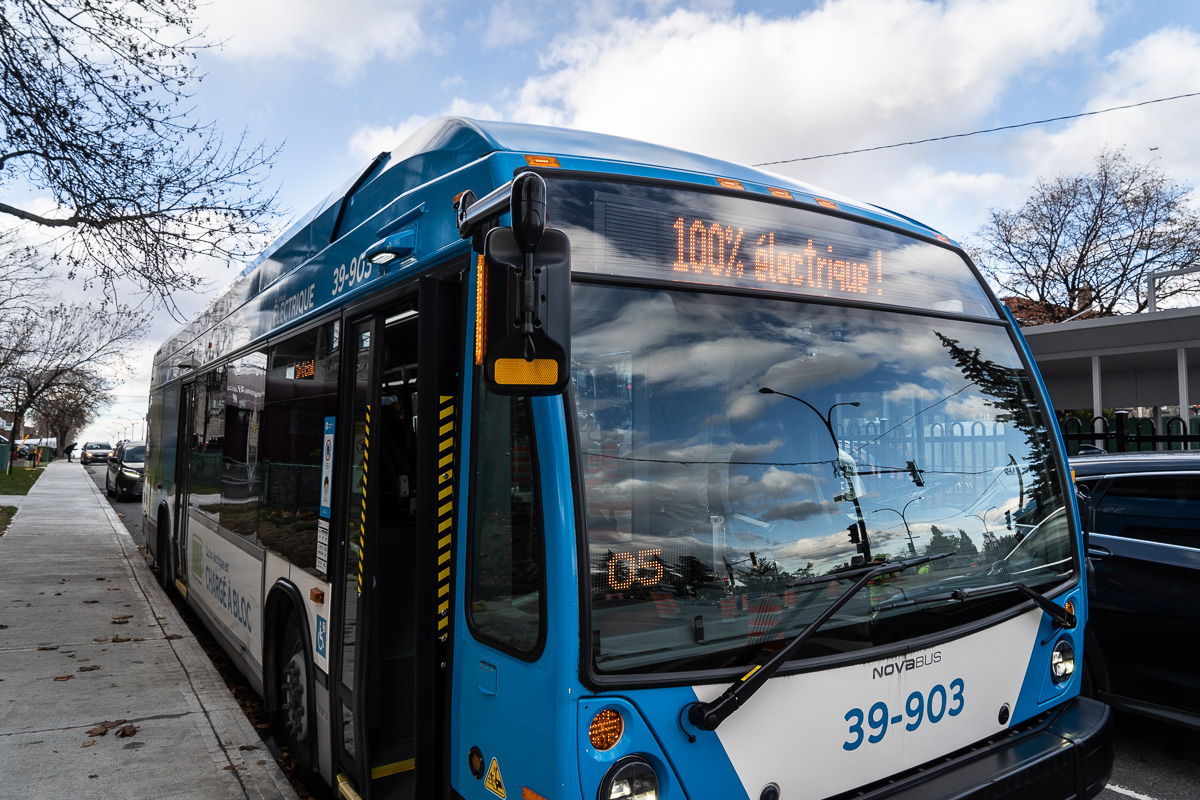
(1154, 761)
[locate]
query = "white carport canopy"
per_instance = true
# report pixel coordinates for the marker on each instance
(1141, 360)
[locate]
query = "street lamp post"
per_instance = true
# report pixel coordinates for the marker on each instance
(912, 548)
(826, 418)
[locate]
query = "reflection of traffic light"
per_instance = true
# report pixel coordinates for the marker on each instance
(915, 473)
(1008, 520)
(854, 537)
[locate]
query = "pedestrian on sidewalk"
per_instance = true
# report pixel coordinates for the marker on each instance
(70, 450)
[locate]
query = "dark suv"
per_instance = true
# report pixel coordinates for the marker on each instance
(1143, 521)
(126, 470)
(95, 451)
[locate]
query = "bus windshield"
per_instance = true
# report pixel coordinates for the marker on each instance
(739, 452)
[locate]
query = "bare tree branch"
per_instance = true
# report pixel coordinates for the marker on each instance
(1091, 241)
(93, 110)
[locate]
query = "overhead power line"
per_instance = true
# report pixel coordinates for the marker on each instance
(977, 133)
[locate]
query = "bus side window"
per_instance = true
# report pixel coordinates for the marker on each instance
(301, 389)
(506, 557)
(245, 391)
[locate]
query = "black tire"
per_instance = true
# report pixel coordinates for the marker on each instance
(1087, 681)
(294, 718)
(107, 489)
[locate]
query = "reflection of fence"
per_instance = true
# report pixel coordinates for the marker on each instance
(291, 486)
(1124, 433)
(955, 448)
(206, 471)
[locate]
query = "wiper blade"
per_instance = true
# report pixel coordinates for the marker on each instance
(1061, 616)
(707, 716)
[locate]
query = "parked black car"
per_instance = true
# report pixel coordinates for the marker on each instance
(1142, 651)
(126, 469)
(95, 451)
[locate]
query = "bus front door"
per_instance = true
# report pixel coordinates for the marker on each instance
(375, 671)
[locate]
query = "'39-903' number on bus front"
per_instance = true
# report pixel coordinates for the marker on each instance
(934, 706)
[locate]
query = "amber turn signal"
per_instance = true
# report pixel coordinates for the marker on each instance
(606, 729)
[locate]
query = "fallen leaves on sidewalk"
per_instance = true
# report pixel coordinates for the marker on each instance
(121, 620)
(173, 636)
(89, 668)
(48, 647)
(104, 727)
(126, 731)
(63, 677)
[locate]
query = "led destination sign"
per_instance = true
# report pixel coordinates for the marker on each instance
(661, 233)
(716, 249)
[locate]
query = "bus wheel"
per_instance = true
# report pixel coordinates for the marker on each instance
(1087, 681)
(294, 699)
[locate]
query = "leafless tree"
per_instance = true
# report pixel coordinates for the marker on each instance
(94, 110)
(69, 346)
(1090, 241)
(70, 407)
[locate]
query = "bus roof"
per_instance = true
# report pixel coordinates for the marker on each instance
(446, 145)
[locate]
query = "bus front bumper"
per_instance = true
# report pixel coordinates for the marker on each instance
(1067, 755)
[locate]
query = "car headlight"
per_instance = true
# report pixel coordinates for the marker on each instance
(631, 778)
(128, 473)
(1062, 661)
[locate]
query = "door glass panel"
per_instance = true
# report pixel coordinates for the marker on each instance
(356, 519)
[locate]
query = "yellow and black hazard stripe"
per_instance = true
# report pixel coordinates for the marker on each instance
(362, 519)
(445, 512)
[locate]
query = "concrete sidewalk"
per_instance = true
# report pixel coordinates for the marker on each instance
(87, 637)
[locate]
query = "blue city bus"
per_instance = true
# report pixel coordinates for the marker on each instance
(545, 464)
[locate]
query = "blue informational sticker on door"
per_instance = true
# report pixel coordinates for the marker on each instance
(322, 638)
(327, 469)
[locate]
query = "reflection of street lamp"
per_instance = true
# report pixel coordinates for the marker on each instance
(981, 518)
(841, 466)
(912, 548)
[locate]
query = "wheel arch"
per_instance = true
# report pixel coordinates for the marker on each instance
(283, 601)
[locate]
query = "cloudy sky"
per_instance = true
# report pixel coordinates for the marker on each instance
(754, 82)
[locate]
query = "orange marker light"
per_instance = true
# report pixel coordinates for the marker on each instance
(784, 193)
(480, 308)
(1070, 607)
(823, 203)
(606, 729)
(542, 161)
(730, 183)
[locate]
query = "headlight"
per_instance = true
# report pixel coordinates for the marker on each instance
(631, 778)
(128, 473)
(1062, 661)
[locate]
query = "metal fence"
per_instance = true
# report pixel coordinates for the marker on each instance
(1125, 433)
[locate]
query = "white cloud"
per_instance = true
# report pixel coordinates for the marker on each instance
(370, 140)
(841, 76)
(508, 25)
(1164, 64)
(351, 35)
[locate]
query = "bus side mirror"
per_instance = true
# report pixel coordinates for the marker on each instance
(526, 295)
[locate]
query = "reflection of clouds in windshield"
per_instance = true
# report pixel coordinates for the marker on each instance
(972, 407)
(799, 510)
(906, 392)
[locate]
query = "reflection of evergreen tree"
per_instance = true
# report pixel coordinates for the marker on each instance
(940, 543)
(1008, 391)
(966, 547)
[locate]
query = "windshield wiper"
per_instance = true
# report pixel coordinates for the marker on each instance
(1061, 616)
(707, 716)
